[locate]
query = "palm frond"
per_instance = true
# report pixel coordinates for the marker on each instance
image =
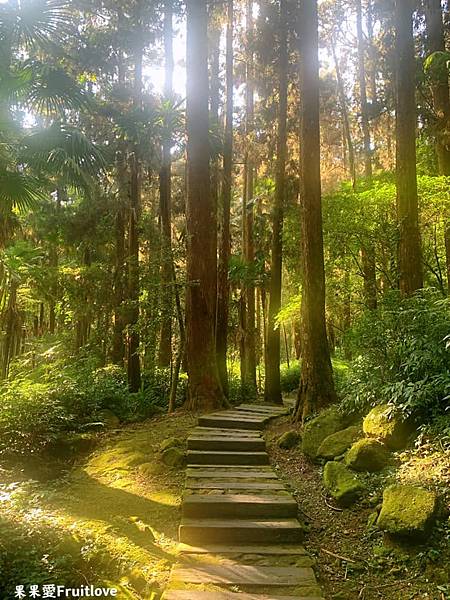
(33, 22)
(20, 191)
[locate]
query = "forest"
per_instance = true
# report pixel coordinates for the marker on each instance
(212, 202)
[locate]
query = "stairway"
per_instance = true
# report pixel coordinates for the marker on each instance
(239, 534)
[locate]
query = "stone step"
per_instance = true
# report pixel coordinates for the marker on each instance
(206, 457)
(289, 549)
(230, 422)
(238, 506)
(244, 575)
(233, 531)
(231, 472)
(201, 595)
(232, 443)
(244, 414)
(233, 485)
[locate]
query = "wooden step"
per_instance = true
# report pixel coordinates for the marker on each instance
(201, 595)
(232, 531)
(288, 549)
(245, 575)
(231, 422)
(269, 409)
(228, 431)
(206, 457)
(238, 506)
(232, 443)
(233, 485)
(239, 473)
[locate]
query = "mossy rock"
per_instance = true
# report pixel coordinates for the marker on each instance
(151, 469)
(108, 418)
(343, 485)
(171, 442)
(289, 439)
(173, 457)
(71, 444)
(316, 430)
(384, 424)
(337, 443)
(407, 511)
(367, 455)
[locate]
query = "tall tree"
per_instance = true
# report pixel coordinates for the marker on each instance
(223, 291)
(363, 92)
(205, 391)
(165, 184)
(316, 388)
(248, 369)
(440, 87)
(272, 390)
(133, 358)
(409, 248)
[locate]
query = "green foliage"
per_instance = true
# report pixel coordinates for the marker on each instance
(290, 377)
(402, 356)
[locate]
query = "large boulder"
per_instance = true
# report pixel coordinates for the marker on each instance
(289, 439)
(387, 425)
(337, 443)
(407, 511)
(171, 442)
(367, 455)
(316, 430)
(343, 485)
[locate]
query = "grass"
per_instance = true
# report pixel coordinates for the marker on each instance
(113, 520)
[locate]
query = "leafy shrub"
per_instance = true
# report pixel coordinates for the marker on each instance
(290, 377)
(402, 356)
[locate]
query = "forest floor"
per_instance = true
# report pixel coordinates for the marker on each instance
(354, 561)
(110, 520)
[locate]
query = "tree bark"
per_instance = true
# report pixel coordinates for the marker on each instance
(316, 388)
(133, 359)
(165, 181)
(249, 367)
(205, 391)
(223, 290)
(440, 88)
(409, 248)
(272, 389)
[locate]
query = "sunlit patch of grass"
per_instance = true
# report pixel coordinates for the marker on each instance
(108, 521)
(427, 465)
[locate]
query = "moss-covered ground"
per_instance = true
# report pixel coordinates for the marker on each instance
(353, 559)
(110, 520)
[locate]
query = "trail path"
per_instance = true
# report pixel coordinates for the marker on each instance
(239, 534)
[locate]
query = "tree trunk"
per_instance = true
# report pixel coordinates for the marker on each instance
(363, 94)
(345, 118)
(118, 344)
(439, 88)
(249, 369)
(316, 388)
(133, 362)
(272, 389)
(447, 253)
(205, 391)
(223, 290)
(165, 177)
(409, 248)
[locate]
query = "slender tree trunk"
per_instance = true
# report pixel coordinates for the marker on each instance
(133, 362)
(118, 344)
(447, 253)
(345, 117)
(363, 93)
(440, 87)
(165, 180)
(249, 370)
(316, 388)
(272, 390)
(409, 249)
(223, 291)
(205, 391)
